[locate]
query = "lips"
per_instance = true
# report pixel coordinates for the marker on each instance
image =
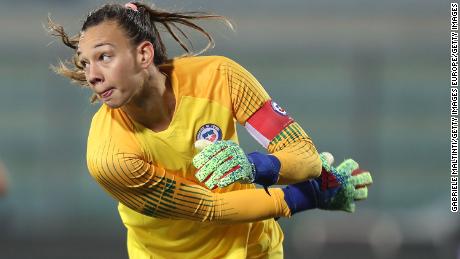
(107, 93)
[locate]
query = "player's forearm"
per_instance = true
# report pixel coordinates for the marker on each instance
(249, 206)
(188, 201)
(297, 158)
(299, 162)
(156, 192)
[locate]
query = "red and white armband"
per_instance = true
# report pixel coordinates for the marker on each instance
(267, 122)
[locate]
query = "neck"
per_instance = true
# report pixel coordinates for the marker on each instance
(153, 106)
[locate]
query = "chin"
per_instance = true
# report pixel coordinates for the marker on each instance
(115, 101)
(113, 104)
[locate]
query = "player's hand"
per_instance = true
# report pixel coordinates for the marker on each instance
(335, 189)
(222, 163)
(339, 188)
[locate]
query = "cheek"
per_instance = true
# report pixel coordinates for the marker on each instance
(123, 69)
(120, 71)
(127, 82)
(120, 75)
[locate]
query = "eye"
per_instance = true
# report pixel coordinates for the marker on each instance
(84, 64)
(105, 57)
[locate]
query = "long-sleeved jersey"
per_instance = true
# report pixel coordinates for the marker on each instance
(168, 213)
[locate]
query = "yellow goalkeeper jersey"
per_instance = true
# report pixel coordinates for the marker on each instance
(167, 212)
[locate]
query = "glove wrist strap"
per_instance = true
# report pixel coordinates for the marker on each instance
(266, 168)
(301, 196)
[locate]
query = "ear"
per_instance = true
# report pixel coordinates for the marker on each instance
(145, 54)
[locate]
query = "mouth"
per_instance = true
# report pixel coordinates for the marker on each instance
(107, 93)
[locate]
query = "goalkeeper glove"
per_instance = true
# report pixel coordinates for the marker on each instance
(222, 163)
(335, 189)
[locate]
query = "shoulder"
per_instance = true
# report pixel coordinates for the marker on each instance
(101, 123)
(102, 114)
(111, 121)
(111, 130)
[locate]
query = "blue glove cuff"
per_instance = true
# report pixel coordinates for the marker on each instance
(301, 196)
(267, 168)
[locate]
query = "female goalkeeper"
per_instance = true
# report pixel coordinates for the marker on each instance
(141, 142)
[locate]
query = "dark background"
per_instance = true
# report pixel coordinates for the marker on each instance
(366, 79)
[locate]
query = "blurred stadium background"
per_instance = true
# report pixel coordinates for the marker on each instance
(366, 79)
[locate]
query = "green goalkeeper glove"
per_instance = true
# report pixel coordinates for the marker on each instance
(222, 163)
(345, 184)
(335, 189)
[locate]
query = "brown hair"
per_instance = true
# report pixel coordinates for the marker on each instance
(139, 25)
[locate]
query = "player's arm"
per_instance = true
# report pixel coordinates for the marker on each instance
(156, 192)
(292, 155)
(153, 191)
(273, 128)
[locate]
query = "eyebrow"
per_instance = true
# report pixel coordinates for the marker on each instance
(97, 46)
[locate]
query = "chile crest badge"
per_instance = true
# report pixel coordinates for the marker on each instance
(210, 132)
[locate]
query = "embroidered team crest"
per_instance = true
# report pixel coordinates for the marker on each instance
(209, 132)
(278, 109)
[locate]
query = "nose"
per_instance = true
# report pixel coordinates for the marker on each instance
(95, 76)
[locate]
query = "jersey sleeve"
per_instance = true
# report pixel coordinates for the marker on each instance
(270, 125)
(156, 192)
(246, 93)
(297, 153)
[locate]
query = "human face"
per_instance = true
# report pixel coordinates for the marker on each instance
(110, 66)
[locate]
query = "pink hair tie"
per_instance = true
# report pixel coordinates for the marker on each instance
(131, 6)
